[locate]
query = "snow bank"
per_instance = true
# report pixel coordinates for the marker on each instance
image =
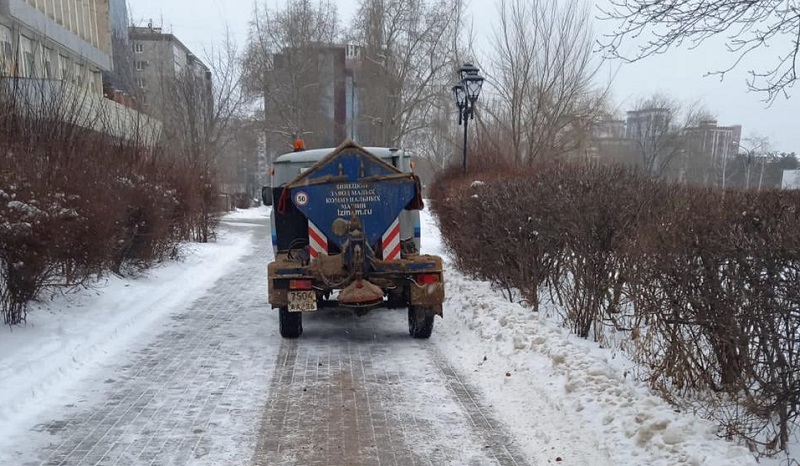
(72, 335)
(571, 399)
(248, 214)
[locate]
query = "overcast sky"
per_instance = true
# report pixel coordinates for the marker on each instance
(200, 24)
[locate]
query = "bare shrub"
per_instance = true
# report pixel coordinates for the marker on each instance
(77, 202)
(705, 283)
(718, 300)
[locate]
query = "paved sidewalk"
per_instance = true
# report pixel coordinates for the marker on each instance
(180, 398)
(360, 391)
(216, 385)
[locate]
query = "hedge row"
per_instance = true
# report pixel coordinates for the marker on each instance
(703, 284)
(75, 204)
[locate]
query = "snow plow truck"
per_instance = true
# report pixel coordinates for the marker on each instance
(346, 234)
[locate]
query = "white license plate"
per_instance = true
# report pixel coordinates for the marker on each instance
(301, 301)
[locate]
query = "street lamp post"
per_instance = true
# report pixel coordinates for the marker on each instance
(749, 162)
(466, 93)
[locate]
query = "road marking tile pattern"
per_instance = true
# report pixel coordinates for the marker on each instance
(360, 391)
(176, 398)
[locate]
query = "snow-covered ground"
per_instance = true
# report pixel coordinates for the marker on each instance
(563, 399)
(71, 337)
(567, 396)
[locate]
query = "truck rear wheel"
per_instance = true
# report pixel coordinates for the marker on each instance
(420, 322)
(290, 323)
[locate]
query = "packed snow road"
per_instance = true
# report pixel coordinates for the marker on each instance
(185, 367)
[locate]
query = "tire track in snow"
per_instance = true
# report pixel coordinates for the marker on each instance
(491, 430)
(359, 391)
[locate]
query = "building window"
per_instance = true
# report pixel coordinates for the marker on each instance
(97, 81)
(140, 83)
(69, 21)
(78, 24)
(79, 77)
(58, 13)
(47, 63)
(353, 51)
(28, 55)
(6, 52)
(140, 65)
(138, 47)
(64, 66)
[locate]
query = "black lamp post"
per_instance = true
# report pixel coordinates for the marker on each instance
(466, 94)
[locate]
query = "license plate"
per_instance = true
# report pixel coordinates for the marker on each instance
(301, 301)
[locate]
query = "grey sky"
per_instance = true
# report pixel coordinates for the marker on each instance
(680, 73)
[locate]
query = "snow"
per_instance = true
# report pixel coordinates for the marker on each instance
(28, 209)
(73, 335)
(564, 396)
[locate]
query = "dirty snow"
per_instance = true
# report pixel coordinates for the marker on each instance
(27, 209)
(68, 337)
(570, 400)
(564, 399)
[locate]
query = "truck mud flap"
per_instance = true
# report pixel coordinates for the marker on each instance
(428, 295)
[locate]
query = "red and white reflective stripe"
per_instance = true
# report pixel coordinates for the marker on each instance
(317, 241)
(391, 241)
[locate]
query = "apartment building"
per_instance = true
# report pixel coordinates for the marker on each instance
(56, 39)
(160, 63)
(710, 149)
(646, 122)
(307, 92)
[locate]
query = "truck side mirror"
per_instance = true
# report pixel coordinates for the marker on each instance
(266, 195)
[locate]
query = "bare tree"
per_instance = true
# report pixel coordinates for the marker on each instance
(748, 26)
(200, 106)
(410, 49)
(285, 63)
(657, 128)
(201, 101)
(437, 141)
(541, 73)
(749, 152)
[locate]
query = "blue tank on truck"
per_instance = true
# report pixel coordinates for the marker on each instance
(346, 234)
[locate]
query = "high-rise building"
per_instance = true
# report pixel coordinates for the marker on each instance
(162, 68)
(645, 122)
(710, 150)
(312, 90)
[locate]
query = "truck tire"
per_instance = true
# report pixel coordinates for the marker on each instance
(291, 323)
(420, 322)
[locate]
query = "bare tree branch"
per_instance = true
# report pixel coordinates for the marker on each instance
(541, 71)
(409, 52)
(747, 27)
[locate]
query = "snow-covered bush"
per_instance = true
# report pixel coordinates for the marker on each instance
(76, 203)
(705, 284)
